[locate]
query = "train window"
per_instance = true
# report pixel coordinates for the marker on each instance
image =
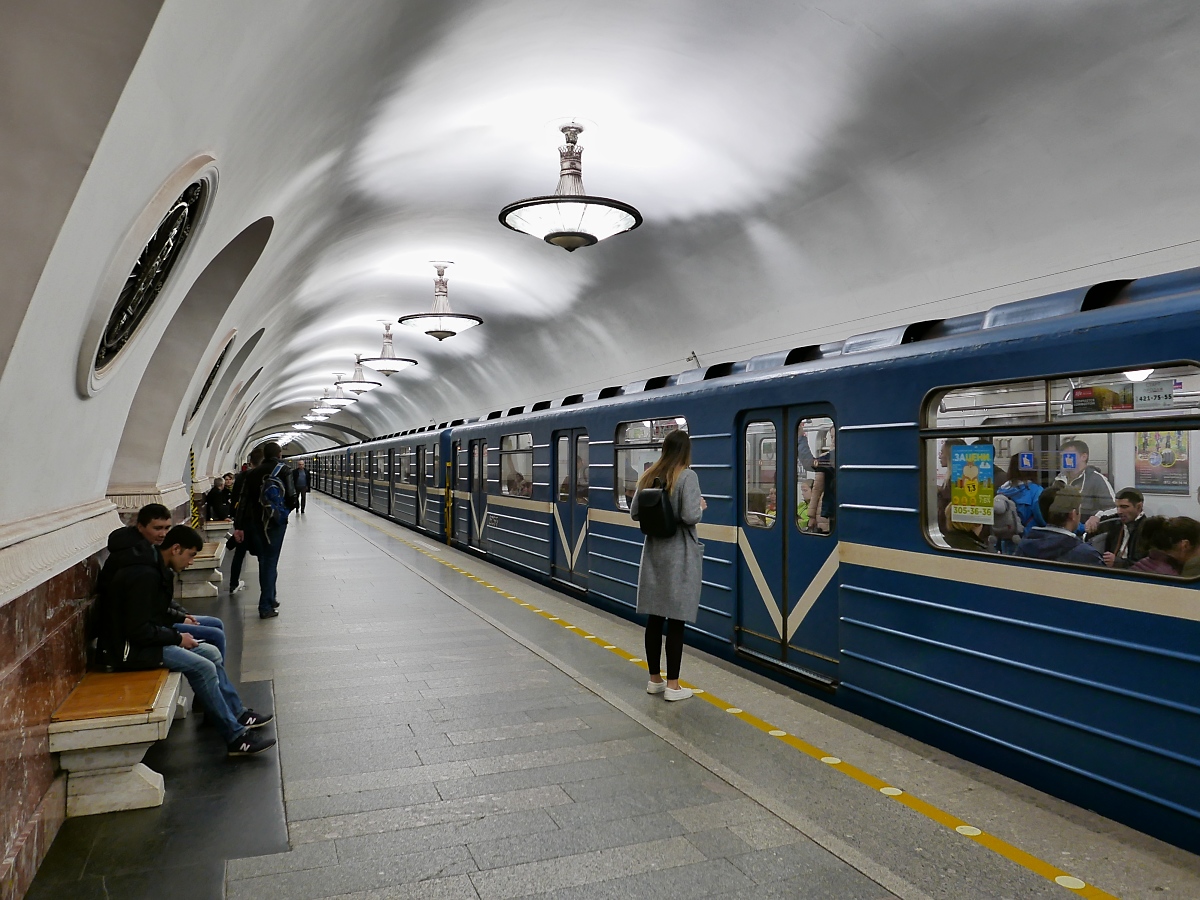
(516, 465)
(816, 486)
(762, 489)
(638, 447)
(581, 469)
(1105, 481)
(563, 457)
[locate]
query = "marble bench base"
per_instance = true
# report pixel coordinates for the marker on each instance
(201, 578)
(103, 757)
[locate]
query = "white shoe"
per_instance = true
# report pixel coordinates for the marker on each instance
(655, 687)
(681, 694)
(240, 585)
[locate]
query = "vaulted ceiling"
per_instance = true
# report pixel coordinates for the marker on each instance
(806, 171)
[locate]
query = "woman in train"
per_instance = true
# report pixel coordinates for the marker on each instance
(1172, 544)
(669, 578)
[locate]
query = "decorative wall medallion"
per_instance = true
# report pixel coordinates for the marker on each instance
(151, 271)
(212, 376)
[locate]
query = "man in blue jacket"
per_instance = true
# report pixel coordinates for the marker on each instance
(1056, 540)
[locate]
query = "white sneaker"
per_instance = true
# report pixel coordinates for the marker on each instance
(681, 694)
(240, 585)
(655, 687)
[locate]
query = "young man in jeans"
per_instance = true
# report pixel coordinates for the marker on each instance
(138, 633)
(261, 530)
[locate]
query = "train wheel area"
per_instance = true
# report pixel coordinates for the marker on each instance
(451, 729)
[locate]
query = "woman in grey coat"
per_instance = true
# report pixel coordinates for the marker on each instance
(669, 577)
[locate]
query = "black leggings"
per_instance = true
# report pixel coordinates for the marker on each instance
(654, 635)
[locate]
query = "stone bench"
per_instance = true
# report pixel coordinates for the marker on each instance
(103, 730)
(216, 529)
(202, 577)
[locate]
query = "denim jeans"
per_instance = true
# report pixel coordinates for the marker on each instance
(268, 565)
(210, 629)
(205, 672)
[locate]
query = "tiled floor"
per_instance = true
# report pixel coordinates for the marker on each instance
(427, 754)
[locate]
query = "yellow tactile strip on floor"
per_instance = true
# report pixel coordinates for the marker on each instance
(1076, 886)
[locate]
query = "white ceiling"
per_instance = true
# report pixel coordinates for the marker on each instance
(806, 171)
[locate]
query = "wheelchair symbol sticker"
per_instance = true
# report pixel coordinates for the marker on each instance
(1070, 460)
(1026, 462)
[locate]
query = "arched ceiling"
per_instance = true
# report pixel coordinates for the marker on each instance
(806, 171)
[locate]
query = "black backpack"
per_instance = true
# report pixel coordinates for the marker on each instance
(656, 512)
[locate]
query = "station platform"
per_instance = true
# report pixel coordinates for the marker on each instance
(448, 729)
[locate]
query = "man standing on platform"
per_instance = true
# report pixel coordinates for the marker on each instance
(268, 495)
(301, 484)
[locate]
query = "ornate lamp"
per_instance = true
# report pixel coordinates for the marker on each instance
(358, 383)
(569, 218)
(339, 399)
(323, 407)
(387, 362)
(315, 418)
(441, 323)
(300, 426)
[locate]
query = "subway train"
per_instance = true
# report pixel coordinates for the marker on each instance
(825, 469)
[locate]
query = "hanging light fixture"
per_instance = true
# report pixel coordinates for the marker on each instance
(387, 362)
(300, 426)
(569, 218)
(323, 407)
(358, 383)
(312, 417)
(441, 323)
(339, 399)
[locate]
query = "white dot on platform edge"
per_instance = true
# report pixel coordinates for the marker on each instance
(697, 690)
(635, 659)
(776, 733)
(1070, 881)
(609, 647)
(831, 760)
(968, 830)
(733, 709)
(891, 791)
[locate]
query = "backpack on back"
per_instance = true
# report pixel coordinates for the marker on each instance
(656, 512)
(1024, 497)
(273, 498)
(1006, 521)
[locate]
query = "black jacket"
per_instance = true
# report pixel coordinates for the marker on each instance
(219, 503)
(249, 513)
(137, 609)
(1111, 527)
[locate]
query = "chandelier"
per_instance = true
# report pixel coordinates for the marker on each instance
(441, 323)
(300, 426)
(569, 218)
(358, 383)
(387, 362)
(339, 399)
(323, 407)
(314, 417)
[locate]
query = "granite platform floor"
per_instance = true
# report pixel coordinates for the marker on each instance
(440, 740)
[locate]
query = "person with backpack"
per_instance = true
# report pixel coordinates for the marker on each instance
(667, 506)
(268, 495)
(1021, 493)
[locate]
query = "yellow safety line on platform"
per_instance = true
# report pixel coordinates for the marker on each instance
(1050, 872)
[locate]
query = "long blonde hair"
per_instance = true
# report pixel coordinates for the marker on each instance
(676, 456)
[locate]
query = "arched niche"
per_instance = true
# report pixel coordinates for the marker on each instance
(141, 468)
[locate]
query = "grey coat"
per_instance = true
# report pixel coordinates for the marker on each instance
(669, 577)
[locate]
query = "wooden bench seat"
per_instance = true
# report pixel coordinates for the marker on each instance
(102, 731)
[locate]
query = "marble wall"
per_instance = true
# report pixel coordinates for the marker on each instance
(42, 658)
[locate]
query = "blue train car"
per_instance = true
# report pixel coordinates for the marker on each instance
(849, 545)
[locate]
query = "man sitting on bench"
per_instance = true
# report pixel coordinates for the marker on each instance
(138, 633)
(141, 540)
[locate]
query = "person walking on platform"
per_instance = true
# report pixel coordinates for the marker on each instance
(268, 495)
(137, 633)
(301, 484)
(668, 505)
(239, 547)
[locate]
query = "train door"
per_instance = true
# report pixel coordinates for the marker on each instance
(477, 488)
(388, 481)
(453, 467)
(422, 491)
(570, 481)
(787, 537)
(370, 473)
